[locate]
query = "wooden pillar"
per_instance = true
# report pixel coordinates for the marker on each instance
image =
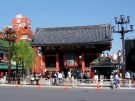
(57, 62)
(83, 62)
(43, 65)
(38, 63)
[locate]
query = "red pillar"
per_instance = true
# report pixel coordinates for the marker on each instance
(83, 62)
(57, 62)
(43, 65)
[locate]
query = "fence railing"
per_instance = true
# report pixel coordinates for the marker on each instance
(88, 82)
(68, 81)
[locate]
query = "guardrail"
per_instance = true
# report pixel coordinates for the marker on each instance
(87, 82)
(68, 81)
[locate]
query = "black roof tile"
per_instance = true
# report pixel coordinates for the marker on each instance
(73, 35)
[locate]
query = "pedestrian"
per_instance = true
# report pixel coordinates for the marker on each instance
(117, 81)
(60, 77)
(127, 76)
(54, 76)
(92, 76)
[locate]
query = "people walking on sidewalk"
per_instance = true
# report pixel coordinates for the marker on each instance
(54, 78)
(116, 82)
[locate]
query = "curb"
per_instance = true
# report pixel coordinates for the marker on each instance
(82, 87)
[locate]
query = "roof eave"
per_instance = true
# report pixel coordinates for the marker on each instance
(87, 43)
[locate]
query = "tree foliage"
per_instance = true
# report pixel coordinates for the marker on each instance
(23, 54)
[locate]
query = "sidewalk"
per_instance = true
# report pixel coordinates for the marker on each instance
(70, 87)
(43, 83)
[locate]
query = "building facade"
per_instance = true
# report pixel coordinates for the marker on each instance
(23, 31)
(130, 54)
(66, 48)
(63, 48)
(22, 26)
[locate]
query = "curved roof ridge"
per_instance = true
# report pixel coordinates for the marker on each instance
(74, 27)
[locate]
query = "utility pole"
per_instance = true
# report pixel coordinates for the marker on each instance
(123, 27)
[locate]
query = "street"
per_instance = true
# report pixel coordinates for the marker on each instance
(60, 94)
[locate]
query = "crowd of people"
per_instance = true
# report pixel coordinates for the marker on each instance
(72, 75)
(59, 77)
(117, 78)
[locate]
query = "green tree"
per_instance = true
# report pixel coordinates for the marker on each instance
(23, 54)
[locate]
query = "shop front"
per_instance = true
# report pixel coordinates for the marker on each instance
(104, 67)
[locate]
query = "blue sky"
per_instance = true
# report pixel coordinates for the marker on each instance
(60, 13)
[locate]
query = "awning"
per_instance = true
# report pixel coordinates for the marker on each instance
(5, 52)
(3, 66)
(4, 43)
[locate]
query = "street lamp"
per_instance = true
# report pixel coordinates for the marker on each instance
(9, 35)
(123, 28)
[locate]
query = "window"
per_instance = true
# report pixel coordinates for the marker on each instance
(18, 20)
(25, 36)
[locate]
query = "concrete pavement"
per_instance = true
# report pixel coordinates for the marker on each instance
(70, 87)
(60, 94)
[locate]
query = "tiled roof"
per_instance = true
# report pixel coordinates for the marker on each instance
(104, 62)
(73, 35)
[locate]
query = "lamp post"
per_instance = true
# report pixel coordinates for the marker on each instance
(9, 35)
(123, 28)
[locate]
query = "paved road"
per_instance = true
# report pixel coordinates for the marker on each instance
(60, 94)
